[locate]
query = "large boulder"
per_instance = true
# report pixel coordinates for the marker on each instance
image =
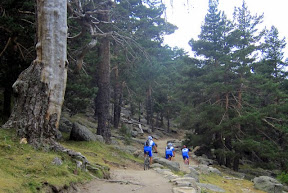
(146, 129)
(184, 182)
(204, 169)
(210, 187)
(251, 173)
(193, 174)
(65, 125)
(204, 160)
(169, 164)
(82, 133)
(125, 113)
(267, 184)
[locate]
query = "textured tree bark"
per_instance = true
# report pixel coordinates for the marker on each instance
(117, 99)
(103, 96)
(236, 163)
(41, 87)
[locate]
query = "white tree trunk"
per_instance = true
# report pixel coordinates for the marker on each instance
(41, 87)
(52, 50)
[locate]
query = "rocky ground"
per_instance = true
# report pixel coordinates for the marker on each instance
(158, 179)
(167, 176)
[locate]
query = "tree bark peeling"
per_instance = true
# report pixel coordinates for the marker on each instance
(41, 87)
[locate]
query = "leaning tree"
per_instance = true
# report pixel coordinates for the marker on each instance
(41, 87)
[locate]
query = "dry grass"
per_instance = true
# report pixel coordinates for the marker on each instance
(229, 183)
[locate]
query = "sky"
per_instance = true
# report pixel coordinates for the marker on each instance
(188, 15)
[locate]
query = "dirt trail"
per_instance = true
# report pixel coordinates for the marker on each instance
(139, 181)
(135, 179)
(178, 156)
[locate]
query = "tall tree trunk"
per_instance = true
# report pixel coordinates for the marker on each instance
(219, 145)
(117, 99)
(228, 144)
(162, 119)
(139, 112)
(168, 125)
(103, 97)
(239, 104)
(168, 121)
(149, 106)
(41, 87)
(236, 162)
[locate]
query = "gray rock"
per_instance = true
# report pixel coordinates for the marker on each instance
(185, 182)
(114, 141)
(137, 153)
(146, 129)
(138, 128)
(210, 187)
(232, 173)
(143, 120)
(267, 184)
(82, 133)
(134, 133)
(193, 174)
(156, 165)
(139, 141)
(166, 173)
(206, 169)
(57, 161)
(58, 135)
(251, 173)
(169, 164)
(185, 190)
(125, 113)
(204, 160)
(65, 125)
(99, 138)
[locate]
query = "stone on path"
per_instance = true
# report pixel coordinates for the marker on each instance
(185, 190)
(169, 164)
(211, 187)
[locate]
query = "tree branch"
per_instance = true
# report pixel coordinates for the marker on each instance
(8, 42)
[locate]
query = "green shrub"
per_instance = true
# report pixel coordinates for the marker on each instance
(126, 133)
(283, 178)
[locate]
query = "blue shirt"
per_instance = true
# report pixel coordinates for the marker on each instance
(185, 152)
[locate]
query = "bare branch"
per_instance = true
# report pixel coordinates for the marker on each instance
(83, 52)
(273, 126)
(267, 137)
(28, 21)
(98, 12)
(76, 36)
(8, 42)
(26, 12)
